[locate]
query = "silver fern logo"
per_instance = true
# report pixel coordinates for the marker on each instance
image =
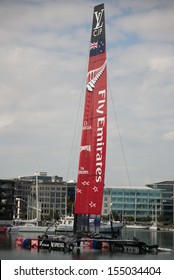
(93, 76)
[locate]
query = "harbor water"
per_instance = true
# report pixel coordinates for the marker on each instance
(165, 239)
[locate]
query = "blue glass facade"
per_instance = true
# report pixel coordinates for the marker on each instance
(131, 201)
(167, 198)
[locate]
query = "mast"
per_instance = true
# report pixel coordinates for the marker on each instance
(37, 197)
(135, 216)
(91, 170)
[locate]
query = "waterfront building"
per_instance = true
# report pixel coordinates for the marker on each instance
(56, 197)
(7, 199)
(22, 197)
(48, 196)
(52, 198)
(41, 177)
(136, 202)
(167, 199)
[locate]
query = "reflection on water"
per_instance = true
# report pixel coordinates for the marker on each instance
(165, 239)
(7, 241)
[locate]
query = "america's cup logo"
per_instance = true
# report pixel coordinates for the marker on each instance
(99, 23)
(98, 16)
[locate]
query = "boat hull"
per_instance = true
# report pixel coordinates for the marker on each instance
(12, 229)
(33, 228)
(154, 227)
(137, 227)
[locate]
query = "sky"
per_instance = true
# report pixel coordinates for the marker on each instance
(44, 48)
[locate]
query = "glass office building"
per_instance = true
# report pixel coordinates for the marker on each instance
(136, 202)
(167, 198)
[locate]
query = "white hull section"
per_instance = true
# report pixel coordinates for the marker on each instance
(137, 226)
(154, 227)
(33, 228)
(68, 224)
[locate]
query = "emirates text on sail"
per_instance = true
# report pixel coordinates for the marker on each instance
(100, 127)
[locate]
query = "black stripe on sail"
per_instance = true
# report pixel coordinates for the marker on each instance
(98, 31)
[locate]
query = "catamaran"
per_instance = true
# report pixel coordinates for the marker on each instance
(91, 171)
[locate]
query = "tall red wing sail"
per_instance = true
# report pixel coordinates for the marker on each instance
(91, 172)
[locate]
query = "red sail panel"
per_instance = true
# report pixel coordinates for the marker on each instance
(91, 172)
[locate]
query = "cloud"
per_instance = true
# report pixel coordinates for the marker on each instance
(151, 22)
(43, 60)
(169, 136)
(6, 120)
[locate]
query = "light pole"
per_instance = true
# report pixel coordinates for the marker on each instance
(18, 199)
(37, 196)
